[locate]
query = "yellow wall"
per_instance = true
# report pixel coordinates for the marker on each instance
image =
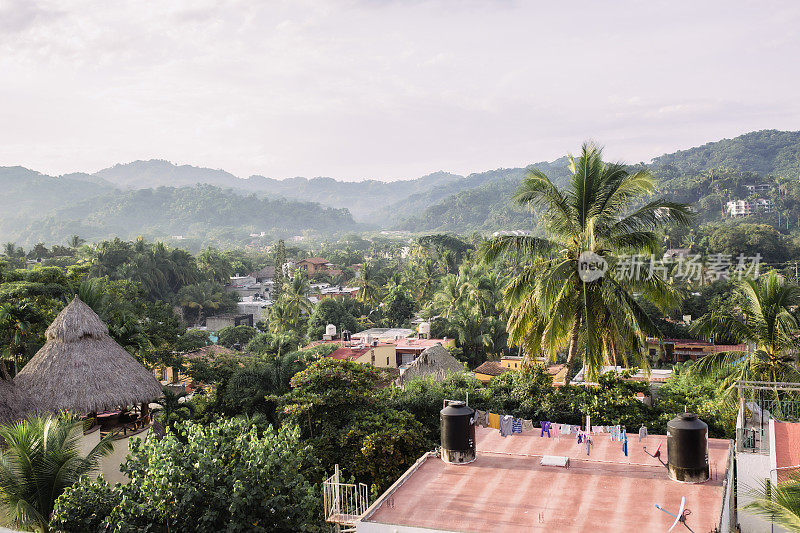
(509, 362)
(379, 355)
(483, 377)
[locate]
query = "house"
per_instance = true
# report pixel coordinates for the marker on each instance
(743, 208)
(528, 483)
(263, 275)
(314, 265)
(255, 306)
(682, 350)
(335, 291)
(173, 377)
(379, 355)
(490, 369)
(218, 322)
(241, 281)
(434, 362)
(81, 369)
(758, 187)
(402, 350)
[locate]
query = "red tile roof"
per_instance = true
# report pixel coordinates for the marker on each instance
(315, 261)
(507, 490)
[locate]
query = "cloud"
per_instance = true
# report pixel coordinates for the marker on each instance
(385, 89)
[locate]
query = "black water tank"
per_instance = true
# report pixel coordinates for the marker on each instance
(687, 448)
(458, 433)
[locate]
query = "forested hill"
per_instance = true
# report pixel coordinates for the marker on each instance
(707, 177)
(766, 152)
(106, 203)
(201, 213)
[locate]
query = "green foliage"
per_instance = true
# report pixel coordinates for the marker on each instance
(40, 459)
(330, 311)
(752, 239)
(398, 307)
(236, 336)
(226, 476)
(266, 343)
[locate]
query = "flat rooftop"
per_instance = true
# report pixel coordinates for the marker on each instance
(506, 490)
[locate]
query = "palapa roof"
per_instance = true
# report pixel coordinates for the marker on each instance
(82, 369)
(435, 361)
(13, 404)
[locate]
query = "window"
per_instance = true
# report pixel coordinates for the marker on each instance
(387, 361)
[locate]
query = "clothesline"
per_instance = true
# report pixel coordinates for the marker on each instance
(508, 425)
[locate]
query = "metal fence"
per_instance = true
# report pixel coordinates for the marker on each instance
(760, 402)
(344, 503)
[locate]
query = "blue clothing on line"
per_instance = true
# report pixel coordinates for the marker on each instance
(545, 429)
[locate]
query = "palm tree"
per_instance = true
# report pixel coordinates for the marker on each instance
(596, 213)
(174, 406)
(296, 298)
(201, 298)
(40, 458)
(279, 318)
(780, 504)
(19, 321)
(766, 324)
(76, 241)
(367, 284)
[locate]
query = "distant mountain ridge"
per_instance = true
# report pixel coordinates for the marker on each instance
(440, 201)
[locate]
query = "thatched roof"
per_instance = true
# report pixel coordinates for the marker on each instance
(82, 369)
(13, 404)
(435, 361)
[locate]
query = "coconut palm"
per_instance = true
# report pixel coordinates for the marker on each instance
(18, 319)
(602, 212)
(780, 504)
(40, 458)
(296, 299)
(174, 407)
(279, 317)
(368, 288)
(766, 324)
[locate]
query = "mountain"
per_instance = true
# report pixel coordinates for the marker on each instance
(360, 197)
(158, 198)
(706, 177)
(201, 212)
(27, 192)
(159, 173)
(766, 152)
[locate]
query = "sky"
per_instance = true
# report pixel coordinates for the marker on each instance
(385, 89)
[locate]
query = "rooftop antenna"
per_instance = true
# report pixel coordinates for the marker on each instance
(683, 512)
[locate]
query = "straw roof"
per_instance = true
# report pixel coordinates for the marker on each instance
(82, 369)
(13, 404)
(435, 361)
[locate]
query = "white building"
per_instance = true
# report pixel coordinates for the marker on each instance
(743, 208)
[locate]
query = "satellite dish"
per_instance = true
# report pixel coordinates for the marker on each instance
(680, 517)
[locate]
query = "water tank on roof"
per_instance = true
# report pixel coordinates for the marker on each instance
(687, 448)
(457, 422)
(425, 328)
(330, 329)
(367, 339)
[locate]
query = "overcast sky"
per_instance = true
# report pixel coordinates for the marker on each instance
(385, 89)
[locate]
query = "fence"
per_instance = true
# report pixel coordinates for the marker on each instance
(343, 503)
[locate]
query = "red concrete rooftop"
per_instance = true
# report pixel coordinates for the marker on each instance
(507, 490)
(787, 450)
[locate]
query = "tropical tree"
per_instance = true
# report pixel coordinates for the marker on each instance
(600, 218)
(175, 406)
(39, 459)
(18, 319)
(766, 324)
(296, 299)
(76, 241)
(778, 503)
(205, 297)
(368, 288)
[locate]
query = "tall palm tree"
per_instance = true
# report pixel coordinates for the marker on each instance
(780, 503)
(766, 324)
(76, 241)
(601, 211)
(367, 284)
(279, 317)
(18, 319)
(296, 298)
(40, 458)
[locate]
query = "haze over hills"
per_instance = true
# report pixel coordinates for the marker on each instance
(158, 198)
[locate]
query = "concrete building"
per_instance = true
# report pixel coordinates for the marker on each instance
(743, 208)
(218, 322)
(511, 488)
(314, 265)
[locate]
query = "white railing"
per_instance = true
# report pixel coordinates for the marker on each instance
(344, 503)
